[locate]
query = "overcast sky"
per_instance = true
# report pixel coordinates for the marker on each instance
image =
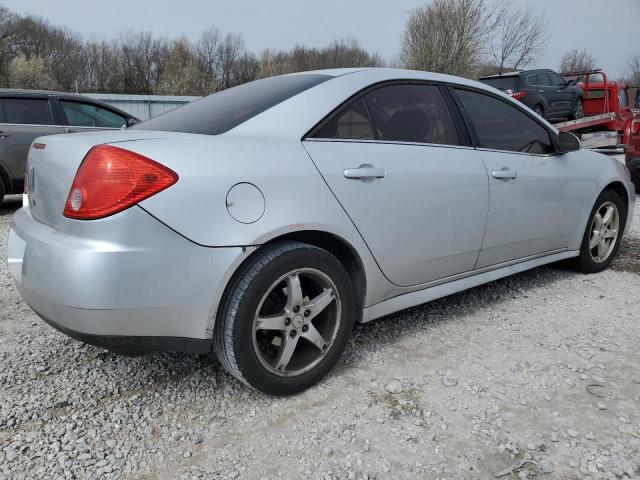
(609, 29)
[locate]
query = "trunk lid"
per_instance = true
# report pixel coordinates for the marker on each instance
(52, 168)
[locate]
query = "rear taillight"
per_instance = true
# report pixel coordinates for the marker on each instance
(518, 95)
(635, 127)
(111, 179)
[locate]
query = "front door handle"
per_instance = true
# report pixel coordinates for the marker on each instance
(504, 174)
(364, 172)
(4, 135)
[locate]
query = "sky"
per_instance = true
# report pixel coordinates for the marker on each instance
(608, 29)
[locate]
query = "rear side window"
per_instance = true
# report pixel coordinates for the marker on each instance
(502, 83)
(397, 113)
(351, 123)
(222, 111)
(532, 79)
(412, 113)
(500, 126)
(80, 114)
(26, 111)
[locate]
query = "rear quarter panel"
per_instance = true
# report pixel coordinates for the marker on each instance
(296, 197)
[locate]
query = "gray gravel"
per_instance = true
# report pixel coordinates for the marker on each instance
(537, 375)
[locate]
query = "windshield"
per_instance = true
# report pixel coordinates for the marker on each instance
(222, 111)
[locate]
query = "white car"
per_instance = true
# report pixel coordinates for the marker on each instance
(262, 221)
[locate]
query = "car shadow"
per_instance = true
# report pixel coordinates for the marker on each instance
(412, 321)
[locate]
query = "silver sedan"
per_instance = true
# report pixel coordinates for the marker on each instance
(262, 221)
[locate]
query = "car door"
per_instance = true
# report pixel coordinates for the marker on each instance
(564, 96)
(22, 119)
(81, 116)
(395, 160)
(536, 196)
(548, 91)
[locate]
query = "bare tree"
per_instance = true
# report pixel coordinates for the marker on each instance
(143, 59)
(576, 61)
(8, 30)
(518, 36)
(343, 53)
(632, 75)
(448, 36)
(206, 53)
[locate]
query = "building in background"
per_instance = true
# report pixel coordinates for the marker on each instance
(142, 106)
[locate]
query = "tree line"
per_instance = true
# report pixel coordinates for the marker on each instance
(460, 37)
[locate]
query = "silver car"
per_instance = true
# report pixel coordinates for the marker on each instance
(262, 221)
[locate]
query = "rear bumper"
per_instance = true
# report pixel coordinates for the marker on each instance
(127, 283)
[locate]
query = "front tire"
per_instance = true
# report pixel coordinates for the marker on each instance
(601, 238)
(285, 319)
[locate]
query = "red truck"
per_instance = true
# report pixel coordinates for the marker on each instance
(607, 111)
(632, 156)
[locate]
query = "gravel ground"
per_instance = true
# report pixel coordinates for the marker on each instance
(537, 375)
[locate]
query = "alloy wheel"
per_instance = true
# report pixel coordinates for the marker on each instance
(603, 234)
(296, 322)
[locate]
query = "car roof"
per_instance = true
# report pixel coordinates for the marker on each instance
(295, 116)
(19, 91)
(517, 73)
(66, 95)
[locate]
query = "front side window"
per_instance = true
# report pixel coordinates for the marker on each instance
(544, 80)
(557, 80)
(80, 114)
(622, 97)
(26, 111)
(500, 126)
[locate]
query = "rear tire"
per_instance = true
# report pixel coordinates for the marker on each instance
(539, 110)
(601, 238)
(285, 318)
(2, 191)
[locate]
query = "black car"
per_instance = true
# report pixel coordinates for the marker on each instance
(543, 91)
(28, 114)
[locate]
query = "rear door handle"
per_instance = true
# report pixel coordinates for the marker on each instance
(4, 135)
(364, 172)
(504, 174)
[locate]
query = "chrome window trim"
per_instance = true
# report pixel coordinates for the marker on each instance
(94, 128)
(437, 145)
(31, 125)
(387, 142)
(554, 154)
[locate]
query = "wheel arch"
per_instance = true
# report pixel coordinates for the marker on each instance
(618, 187)
(332, 243)
(339, 248)
(6, 180)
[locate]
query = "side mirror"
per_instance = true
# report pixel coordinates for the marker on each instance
(131, 122)
(567, 142)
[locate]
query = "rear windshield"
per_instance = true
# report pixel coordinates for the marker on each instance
(222, 111)
(502, 83)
